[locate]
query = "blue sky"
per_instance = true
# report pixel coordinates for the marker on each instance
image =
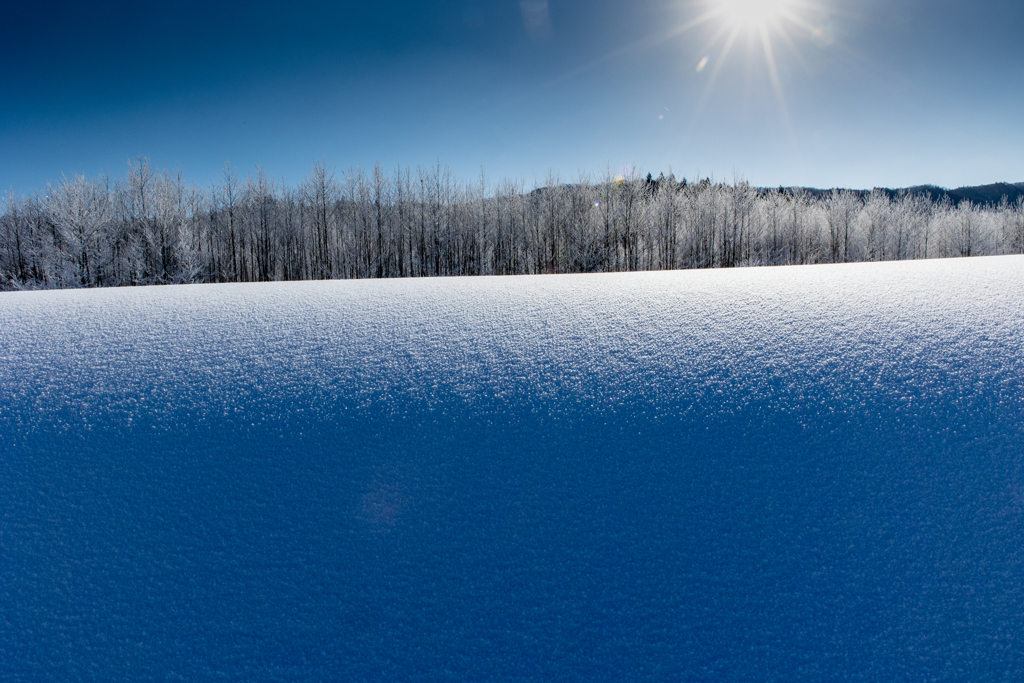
(866, 92)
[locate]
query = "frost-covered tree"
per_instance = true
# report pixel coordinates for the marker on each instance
(152, 227)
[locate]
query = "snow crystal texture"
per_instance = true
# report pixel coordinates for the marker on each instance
(792, 474)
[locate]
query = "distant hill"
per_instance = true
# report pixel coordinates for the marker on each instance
(980, 194)
(985, 195)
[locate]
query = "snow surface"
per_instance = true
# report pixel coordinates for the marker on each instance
(801, 473)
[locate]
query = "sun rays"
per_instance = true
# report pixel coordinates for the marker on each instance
(761, 24)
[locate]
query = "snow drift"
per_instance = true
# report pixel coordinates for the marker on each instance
(797, 473)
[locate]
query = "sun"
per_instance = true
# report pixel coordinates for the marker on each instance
(753, 15)
(760, 22)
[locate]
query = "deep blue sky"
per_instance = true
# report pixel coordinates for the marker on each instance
(889, 93)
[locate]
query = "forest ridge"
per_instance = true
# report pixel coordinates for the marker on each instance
(153, 227)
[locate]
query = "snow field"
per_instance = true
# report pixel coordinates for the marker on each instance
(793, 473)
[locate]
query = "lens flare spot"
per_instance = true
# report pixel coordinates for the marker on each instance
(702, 63)
(823, 35)
(536, 17)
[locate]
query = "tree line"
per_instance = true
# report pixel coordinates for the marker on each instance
(154, 227)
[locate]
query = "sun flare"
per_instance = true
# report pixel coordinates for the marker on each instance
(764, 25)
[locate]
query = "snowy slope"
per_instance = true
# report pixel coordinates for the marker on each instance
(801, 473)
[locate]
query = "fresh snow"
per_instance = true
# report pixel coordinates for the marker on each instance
(794, 474)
